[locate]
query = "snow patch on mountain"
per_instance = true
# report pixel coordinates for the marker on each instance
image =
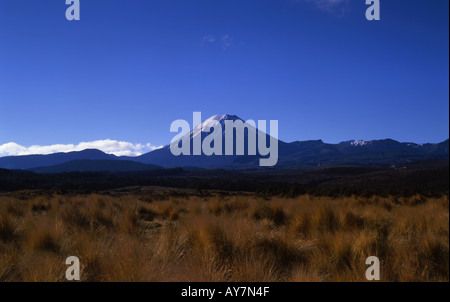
(357, 143)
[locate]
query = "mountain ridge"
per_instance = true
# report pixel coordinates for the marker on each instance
(297, 154)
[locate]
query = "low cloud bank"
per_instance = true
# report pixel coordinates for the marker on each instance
(109, 146)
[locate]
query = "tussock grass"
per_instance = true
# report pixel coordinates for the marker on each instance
(7, 229)
(223, 238)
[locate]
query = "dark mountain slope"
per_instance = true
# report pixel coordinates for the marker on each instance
(87, 165)
(34, 161)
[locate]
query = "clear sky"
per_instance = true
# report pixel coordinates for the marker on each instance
(129, 68)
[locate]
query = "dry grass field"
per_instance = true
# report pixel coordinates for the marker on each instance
(219, 237)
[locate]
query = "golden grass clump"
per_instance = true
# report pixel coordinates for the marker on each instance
(219, 237)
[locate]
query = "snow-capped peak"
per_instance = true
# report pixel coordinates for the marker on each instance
(357, 142)
(221, 118)
(213, 121)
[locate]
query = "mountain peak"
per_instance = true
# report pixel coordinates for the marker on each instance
(218, 118)
(90, 151)
(222, 117)
(356, 142)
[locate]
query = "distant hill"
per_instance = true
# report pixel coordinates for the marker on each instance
(305, 154)
(299, 155)
(86, 165)
(165, 158)
(24, 162)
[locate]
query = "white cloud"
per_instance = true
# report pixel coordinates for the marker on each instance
(109, 146)
(227, 41)
(224, 41)
(335, 7)
(208, 39)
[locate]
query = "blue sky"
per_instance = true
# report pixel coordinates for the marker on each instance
(129, 68)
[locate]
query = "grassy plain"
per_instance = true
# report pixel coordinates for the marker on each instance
(165, 235)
